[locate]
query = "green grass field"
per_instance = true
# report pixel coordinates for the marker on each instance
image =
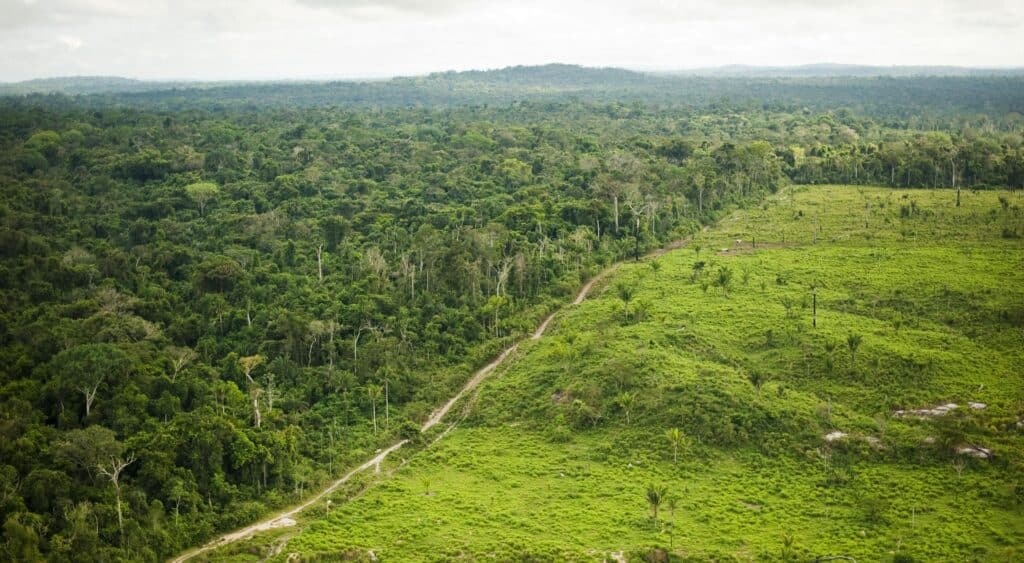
(557, 451)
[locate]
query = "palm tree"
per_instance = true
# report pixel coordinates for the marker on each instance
(678, 440)
(626, 401)
(830, 348)
(853, 342)
(724, 279)
(698, 270)
(673, 502)
(655, 494)
(625, 293)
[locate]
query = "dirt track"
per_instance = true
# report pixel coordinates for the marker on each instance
(280, 520)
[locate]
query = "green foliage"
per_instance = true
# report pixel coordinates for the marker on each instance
(655, 495)
(202, 193)
(246, 298)
(759, 478)
(370, 260)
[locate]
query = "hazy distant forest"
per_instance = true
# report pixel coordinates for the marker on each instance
(217, 298)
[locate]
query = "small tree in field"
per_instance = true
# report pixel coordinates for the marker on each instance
(678, 441)
(672, 502)
(757, 379)
(625, 293)
(853, 341)
(830, 348)
(655, 495)
(724, 279)
(698, 270)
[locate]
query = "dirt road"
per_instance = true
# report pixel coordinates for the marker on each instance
(284, 518)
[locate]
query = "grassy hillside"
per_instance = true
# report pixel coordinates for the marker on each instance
(919, 303)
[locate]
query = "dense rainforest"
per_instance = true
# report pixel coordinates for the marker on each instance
(211, 307)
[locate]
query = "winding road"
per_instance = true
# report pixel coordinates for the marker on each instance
(284, 519)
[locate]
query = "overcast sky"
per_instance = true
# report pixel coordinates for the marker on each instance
(274, 39)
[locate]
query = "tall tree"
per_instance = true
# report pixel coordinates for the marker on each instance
(678, 440)
(111, 469)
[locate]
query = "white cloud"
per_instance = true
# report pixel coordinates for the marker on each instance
(71, 42)
(229, 39)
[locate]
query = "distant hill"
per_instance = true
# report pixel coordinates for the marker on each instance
(891, 91)
(571, 76)
(74, 85)
(550, 76)
(845, 70)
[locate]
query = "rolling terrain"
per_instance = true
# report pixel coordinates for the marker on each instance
(226, 304)
(807, 350)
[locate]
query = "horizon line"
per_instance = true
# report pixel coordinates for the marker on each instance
(639, 68)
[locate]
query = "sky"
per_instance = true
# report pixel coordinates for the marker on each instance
(318, 39)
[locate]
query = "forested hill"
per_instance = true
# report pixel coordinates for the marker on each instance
(74, 85)
(216, 300)
(879, 96)
(849, 70)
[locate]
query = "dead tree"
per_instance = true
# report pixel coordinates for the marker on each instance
(112, 471)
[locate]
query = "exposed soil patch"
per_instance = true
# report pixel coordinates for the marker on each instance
(281, 523)
(941, 410)
(875, 442)
(974, 451)
(561, 397)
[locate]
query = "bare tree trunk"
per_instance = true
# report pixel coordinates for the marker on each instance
(320, 262)
(256, 415)
(615, 198)
(271, 392)
(113, 472)
(814, 318)
(90, 396)
(953, 180)
(636, 241)
(330, 345)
